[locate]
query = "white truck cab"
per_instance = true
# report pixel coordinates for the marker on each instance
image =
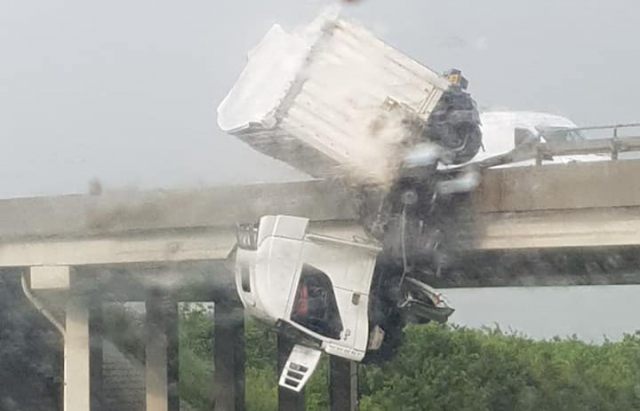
(319, 289)
(316, 284)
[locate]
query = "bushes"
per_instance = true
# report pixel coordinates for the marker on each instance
(443, 368)
(437, 369)
(196, 357)
(449, 368)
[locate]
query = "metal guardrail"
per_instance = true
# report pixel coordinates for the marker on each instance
(614, 127)
(545, 151)
(614, 146)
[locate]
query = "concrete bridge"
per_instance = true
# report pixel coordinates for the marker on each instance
(77, 252)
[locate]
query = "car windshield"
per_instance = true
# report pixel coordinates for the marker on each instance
(559, 134)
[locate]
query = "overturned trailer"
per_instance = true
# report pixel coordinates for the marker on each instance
(331, 99)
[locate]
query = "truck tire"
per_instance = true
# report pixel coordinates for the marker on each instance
(455, 125)
(472, 137)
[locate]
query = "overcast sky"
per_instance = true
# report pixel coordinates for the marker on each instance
(126, 90)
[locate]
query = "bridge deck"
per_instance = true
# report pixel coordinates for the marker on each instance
(553, 206)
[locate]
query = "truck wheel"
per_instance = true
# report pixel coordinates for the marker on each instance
(471, 135)
(455, 125)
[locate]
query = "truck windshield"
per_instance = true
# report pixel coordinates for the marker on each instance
(557, 135)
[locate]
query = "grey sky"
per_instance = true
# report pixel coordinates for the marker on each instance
(126, 91)
(589, 312)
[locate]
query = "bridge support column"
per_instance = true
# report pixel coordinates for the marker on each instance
(82, 338)
(96, 335)
(161, 352)
(76, 356)
(287, 399)
(343, 384)
(228, 358)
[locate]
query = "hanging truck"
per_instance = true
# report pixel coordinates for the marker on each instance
(334, 101)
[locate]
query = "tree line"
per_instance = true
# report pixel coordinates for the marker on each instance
(439, 368)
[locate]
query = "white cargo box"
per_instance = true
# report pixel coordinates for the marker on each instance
(319, 98)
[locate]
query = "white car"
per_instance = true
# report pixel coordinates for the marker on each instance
(504, 130)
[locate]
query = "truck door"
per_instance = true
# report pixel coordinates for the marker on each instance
(331, 296)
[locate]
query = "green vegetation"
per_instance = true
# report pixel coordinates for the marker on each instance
(441, 368)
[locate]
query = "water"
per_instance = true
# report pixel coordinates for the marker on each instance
(589, 312)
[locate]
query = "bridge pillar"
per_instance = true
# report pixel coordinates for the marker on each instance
(76, 356)
(287, 399)
(343, 384)
(82, 343)
(161, 352)
(228, 358)
(96, 335)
